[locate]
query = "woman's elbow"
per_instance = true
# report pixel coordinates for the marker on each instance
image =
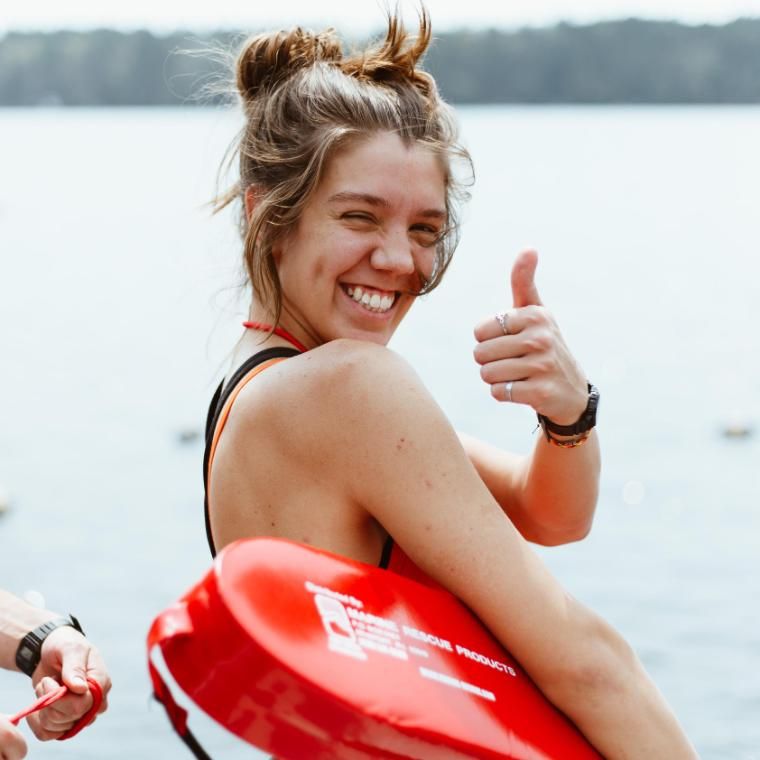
(558, 534)
(579, 531)
(602, 668)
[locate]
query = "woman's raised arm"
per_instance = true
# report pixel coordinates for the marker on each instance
(396, 454)
(551, 495)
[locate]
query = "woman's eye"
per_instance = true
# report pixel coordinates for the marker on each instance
(427, 235)
(358, 216)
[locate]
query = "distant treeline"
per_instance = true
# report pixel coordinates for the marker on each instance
(629, 61)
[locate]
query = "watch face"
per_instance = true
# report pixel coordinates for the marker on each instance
(27, 656)
(25, 651)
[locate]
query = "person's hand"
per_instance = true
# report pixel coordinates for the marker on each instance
(531, 364)
(12, 744)
(67, 658)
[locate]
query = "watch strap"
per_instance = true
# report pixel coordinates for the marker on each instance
(29, 649)
(585, 422)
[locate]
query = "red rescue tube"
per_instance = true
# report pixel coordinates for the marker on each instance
(309, 655)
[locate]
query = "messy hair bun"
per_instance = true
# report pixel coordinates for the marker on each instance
(396, 58)
(268, 58)
(303, 100)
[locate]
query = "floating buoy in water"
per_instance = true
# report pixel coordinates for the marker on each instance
(737, 429)
(188, 435)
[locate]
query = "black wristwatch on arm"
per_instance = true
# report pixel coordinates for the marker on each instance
(29, 649)
(577, 433)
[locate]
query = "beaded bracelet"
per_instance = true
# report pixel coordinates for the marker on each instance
(568, 443)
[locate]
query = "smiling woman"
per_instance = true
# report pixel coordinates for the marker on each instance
(365, 243)
(322, 435)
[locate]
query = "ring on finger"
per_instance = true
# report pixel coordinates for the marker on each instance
(503, 319)
(508, 389)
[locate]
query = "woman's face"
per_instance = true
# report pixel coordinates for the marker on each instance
(365, 240)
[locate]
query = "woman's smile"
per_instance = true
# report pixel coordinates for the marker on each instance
(370, 299)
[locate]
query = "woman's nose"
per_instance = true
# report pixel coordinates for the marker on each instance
(394, 254)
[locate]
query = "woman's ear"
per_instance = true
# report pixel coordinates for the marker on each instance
(252, 196)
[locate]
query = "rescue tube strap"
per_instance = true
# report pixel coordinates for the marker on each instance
(162, 693)
(177, 715)
(48, 699)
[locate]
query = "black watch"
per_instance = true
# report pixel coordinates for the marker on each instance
(30, 649)
(585, 422)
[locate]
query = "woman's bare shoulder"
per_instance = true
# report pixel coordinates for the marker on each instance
(335, 370)
(349, 358)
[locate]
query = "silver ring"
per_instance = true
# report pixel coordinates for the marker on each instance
(503, 320)
(508, 389)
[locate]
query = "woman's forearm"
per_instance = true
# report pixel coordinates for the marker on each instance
(559, 488)
(550, 495)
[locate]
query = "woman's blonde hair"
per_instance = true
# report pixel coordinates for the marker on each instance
(303, 100)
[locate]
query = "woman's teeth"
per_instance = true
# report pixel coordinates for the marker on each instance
(373, 302)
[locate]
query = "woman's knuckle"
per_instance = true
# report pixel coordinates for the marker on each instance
(546, 339)
(545, 364)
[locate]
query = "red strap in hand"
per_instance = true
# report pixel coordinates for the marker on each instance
(53, 696)
(44, 701)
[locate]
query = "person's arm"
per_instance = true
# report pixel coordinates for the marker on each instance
(371, 426)
(67, 657)
(551, 494)
(12, 744)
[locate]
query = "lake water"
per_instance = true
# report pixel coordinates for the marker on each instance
(118, 304)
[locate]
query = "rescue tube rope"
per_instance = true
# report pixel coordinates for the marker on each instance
(51, 697)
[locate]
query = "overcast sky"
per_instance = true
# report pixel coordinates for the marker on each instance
(350, 15)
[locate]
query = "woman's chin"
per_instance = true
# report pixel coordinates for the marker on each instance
(376, 335)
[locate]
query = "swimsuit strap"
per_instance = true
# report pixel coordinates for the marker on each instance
(220, 407)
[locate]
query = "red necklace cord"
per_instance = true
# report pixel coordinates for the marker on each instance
(281, 331)
(48, 699)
